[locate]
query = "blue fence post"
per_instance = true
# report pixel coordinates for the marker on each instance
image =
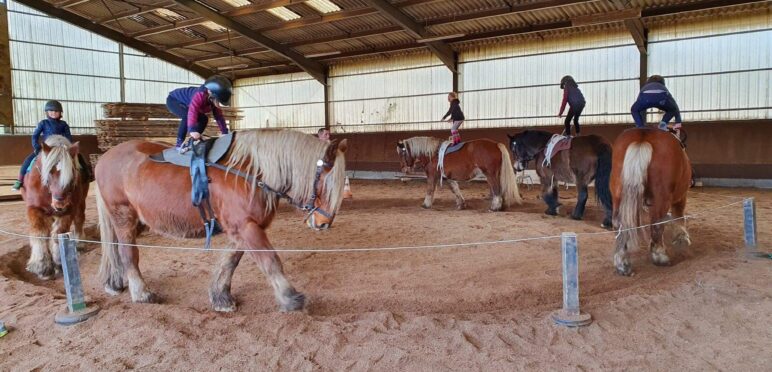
(570, 315)
(77, 309)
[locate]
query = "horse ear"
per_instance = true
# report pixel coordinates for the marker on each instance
(74, 149)
(332, 151)
(510, 137)
(343, 145)
(44, 146)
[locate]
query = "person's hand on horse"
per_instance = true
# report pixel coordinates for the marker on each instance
(196, 136)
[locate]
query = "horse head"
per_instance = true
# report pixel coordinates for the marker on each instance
(328, 181)
(59, 171)
(521, 150)
(406, 160)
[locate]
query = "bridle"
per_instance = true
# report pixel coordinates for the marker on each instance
(308, 207)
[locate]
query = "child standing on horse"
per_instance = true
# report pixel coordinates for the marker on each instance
(655, 94)
(51, 125)
(575, 99)
(456, 117)
(191, 104)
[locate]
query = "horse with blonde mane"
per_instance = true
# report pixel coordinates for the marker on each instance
(650, 171)
(55, 192)
(476, 157)
(135, 192)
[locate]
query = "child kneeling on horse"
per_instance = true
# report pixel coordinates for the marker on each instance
(191, 104)
(51, 125)
(655, 94)
(456, 117)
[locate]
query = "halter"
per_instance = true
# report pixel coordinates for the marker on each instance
(308, 207)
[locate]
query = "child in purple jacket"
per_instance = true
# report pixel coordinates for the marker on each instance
(191, 104)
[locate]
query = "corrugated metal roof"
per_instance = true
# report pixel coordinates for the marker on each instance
(469, 17)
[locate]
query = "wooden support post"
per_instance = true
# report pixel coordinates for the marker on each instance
(6, 87)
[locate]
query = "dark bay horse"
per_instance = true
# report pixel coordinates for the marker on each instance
(588, 159)
(135, 192)
(650, 171)
(481, 156)
(55, 193)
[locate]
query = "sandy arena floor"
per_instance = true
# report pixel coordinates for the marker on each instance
(473, 308)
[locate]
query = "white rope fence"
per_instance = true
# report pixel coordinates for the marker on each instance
(376, 249)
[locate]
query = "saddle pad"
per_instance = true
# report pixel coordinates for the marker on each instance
(556, 144)
(446, 148)
(218, 150)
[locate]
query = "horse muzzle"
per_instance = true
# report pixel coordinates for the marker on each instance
(519, 166)
(312, 220)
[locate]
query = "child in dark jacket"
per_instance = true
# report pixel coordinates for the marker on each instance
(456, 117)
(655, 94)
(51, 125)
(575, 99)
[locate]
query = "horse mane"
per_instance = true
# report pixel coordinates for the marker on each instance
(427, 146)
(285, 160)
(58, 157)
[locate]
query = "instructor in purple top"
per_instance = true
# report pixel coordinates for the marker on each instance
(191, 104)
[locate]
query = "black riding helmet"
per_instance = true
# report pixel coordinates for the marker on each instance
(568, 79)
(220, 87)
(53, 106)
(656, 79)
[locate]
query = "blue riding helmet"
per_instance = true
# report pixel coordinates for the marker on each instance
(220, 87)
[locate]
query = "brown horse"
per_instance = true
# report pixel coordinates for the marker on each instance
(476, 157)
(135, 192)
(55, 193)
(650, 171)
(588, 159)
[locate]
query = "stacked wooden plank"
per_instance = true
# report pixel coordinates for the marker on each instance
(130, 121)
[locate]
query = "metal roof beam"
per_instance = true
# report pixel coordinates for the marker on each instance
(84, 23)
(141, 9)
(313, 68)
(444, 52)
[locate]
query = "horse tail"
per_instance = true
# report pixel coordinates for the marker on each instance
(603, 175)
(634, 173)
(111, 267)
(507, 179)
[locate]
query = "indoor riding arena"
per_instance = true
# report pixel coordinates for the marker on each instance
(388, 185)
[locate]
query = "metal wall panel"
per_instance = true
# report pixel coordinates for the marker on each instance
(717, 69)
(407, 92)
(281, 101)
(517, 84)
(52, 59)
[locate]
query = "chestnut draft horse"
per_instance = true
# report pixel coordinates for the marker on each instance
(475, 157)
(136, 192)
(588, 159)
(55, 193)
(650, 170)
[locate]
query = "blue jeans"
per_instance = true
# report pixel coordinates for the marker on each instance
(662, 101)
(25, 165)
(180, 110)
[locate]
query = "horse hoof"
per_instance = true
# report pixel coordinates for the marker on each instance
(424, 206)
(294, 301)
(606, 224)
(147, 298)
(551, 212)
(44, 270)
(461, 207)
(660, 259)
(625, 270)
(222, 302)
(112, 291)
(578, 218)
(682, 241)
